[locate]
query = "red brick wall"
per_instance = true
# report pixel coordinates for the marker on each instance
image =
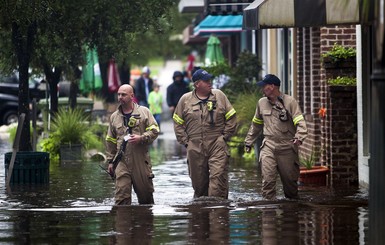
(343, 134)
(313, 91)
(309, 83)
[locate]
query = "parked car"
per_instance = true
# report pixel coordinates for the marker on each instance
(9, 96)
(10, 85)
(8, 108)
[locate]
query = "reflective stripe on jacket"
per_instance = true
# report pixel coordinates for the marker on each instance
(266, 118)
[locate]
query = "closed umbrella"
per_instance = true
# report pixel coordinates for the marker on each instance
(113, 77)
(214, 55)
(91, 80)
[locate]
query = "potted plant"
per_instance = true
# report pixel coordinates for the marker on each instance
(71, 132)
(310, 173)
(339, 56)
(342, 81)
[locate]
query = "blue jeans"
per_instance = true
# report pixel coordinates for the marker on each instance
(157, 118)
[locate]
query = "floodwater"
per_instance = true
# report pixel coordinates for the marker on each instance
(76, 207)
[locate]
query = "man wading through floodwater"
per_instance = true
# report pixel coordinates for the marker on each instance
(204, 120)
(136, 126)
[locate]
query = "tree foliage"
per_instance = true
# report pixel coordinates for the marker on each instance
(242, 77)
(48, 35)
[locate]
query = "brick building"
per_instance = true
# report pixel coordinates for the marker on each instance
(335, 134)
(290, 43)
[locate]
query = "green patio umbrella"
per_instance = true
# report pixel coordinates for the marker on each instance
(91, 80)
(214, 53)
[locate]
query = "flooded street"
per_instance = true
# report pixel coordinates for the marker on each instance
(77, 208)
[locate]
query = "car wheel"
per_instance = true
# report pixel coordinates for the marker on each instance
(10, 117)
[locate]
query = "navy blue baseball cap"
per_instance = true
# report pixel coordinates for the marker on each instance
(269, 79)
(201, 75)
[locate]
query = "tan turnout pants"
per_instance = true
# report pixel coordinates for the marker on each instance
(208, 163)
(282, 159)
(137, 175)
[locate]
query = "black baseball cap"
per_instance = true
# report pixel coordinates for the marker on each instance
(269, 79)
(201, 75)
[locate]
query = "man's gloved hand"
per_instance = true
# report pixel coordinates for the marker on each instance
(247, 148)
(296, 141)
(110, 169)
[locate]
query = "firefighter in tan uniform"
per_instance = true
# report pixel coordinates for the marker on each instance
(135, 127)
(204, 120)
(280, 118)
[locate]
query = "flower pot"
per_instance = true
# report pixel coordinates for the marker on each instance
(316, 176)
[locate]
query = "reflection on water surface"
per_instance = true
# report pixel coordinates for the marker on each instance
(77, 208)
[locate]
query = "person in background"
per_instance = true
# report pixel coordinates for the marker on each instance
(280, 119)
(190, 62)
(132, 128)
(186, 78)
(175, 90)
(155, 102)
(143, 86)
(204, 120)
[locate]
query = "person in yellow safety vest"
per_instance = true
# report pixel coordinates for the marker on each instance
(135, 127)
(204, 120)
(284, 129)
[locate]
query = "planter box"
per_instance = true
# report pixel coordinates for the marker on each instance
(318, 175)
(71, 153)
(329, 63)
(339, 68)
(29, 167)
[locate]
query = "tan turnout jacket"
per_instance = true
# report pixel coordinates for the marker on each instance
(192, 117)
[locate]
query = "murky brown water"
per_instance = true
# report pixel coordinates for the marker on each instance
(77, 208)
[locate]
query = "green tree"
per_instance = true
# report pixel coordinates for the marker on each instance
(50, 34)
(19, 20)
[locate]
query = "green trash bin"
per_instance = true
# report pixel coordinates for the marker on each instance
(29, 167)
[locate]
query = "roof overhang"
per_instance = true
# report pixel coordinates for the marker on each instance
(226, 7)
(190, 39)
(191, 6)
(300, 13)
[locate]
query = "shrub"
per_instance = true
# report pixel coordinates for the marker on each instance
(70, 127)
(243, 76)
(309, 161)
(244, 104)
(247, 67)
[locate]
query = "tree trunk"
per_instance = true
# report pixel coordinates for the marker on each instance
(72, 100)
(74, 88)
(23, 40)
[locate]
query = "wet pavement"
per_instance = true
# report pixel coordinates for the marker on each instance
(76, 207)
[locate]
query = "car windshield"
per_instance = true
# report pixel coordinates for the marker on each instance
(13, 79)
(9, 79)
